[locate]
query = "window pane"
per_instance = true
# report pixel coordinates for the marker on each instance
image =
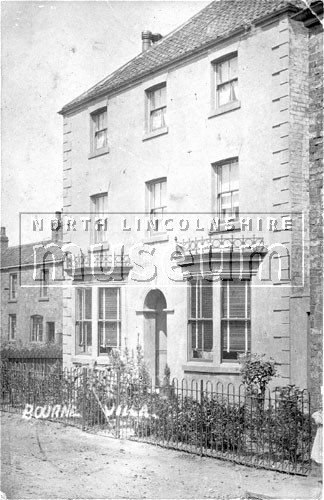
(234, 176)
(193, 299)
(88, 304)
(226, 204)
(225, 177)
(101, 139)
(224, 93)
(237, 298)
(158, 118)
(207, 299)
(223, 71)
(233, 67)
(108, 334)
(208, 335)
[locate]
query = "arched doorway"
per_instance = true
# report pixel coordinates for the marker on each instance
(155, 334)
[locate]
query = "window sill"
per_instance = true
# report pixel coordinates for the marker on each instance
(12, 301)
(226, 108)
(79, 358)
(222, 228)
(98, 152)
(158, 238)
(43, 299)
(104, 246)
(155, 133)
(205, 367)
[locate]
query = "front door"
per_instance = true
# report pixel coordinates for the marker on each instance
(155, 335)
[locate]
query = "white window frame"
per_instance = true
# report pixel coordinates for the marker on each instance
(13, 281)
(82, 346)
(199, 319)
(152, 109)
(94, 321)
(37, 328)
(103, 321)
(219, 191)
(94, 131)
(231, 81)
(99, 235)
(12, 327)
(156, 212)
(226, 320)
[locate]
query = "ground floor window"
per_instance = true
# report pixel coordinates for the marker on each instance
(83, 324)
(36, 334)
(50, 332)
(201, 319)
(109, 319)
(12, 327)
(98, 318)
(221, 328)
(236, 318)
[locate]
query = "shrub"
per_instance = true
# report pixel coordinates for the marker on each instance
(256, 373)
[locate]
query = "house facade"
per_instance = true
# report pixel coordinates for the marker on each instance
(186, 197)
(31, 296)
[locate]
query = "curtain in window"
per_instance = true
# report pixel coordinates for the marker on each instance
(109, 319)
(200, 321)
(236, 324)
(100, 129)
(83, 324)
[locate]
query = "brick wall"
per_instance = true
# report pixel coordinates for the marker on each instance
(316, 210)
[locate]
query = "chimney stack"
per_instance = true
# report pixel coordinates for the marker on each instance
(56, 226)
(148, 38)
(4, 240)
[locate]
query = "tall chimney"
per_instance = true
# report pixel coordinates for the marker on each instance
(56, 226)
(4, 240)
(146, 40)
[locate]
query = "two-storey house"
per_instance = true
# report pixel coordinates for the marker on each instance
(31, 292)
(186, 181)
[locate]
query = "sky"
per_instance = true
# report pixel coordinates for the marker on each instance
(51, 52)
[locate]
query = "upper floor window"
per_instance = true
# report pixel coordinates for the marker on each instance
(99, 135)
(43, 291)
(36, 334)
(13, 286)
(236, 319)
(109, 319)
(83, 323)
(157, 202)
(226, 81)
(12, 327)
(99, 210)
(156, 108)
(200, 319)
(227, 189)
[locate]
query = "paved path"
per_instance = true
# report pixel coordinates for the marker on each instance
(45, 460)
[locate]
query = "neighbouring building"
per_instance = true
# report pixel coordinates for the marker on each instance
(31, 292)
(206, 149)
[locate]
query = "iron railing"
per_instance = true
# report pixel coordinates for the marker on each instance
(272, 430)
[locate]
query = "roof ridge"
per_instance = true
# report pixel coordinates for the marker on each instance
(111, 75)
(217, 20)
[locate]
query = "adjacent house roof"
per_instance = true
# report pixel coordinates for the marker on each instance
(23, 255)
(218, 20)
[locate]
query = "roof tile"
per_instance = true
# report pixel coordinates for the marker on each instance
(219, 19)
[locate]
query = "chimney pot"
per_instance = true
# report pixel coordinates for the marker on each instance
(4, 240)
(146, 40)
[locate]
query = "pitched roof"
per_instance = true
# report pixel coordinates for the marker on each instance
(23, 255)
(218, 20)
